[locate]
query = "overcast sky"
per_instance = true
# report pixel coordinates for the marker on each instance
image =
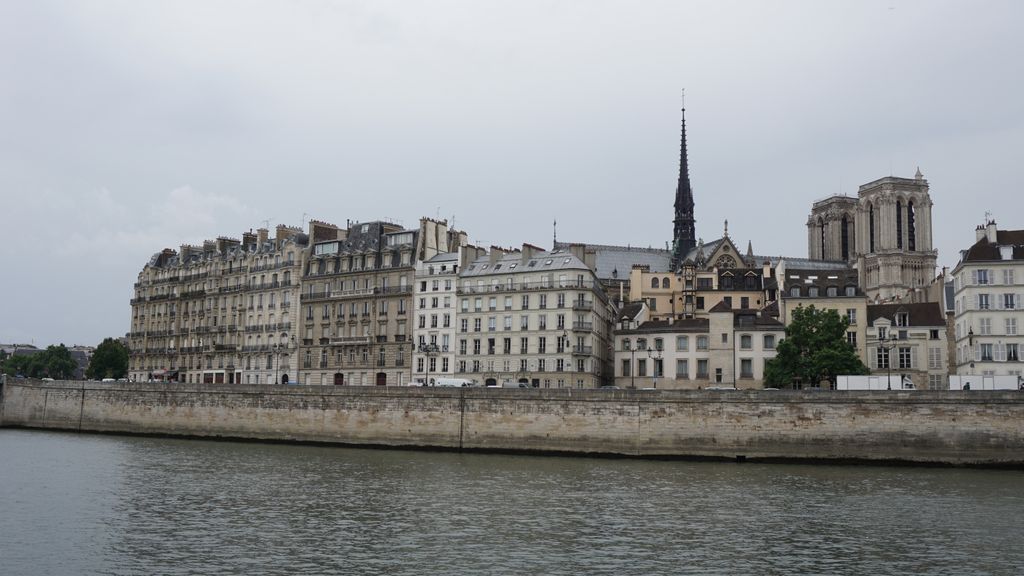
(127, 127)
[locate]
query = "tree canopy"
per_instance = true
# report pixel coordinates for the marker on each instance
(814, 349)
(54, 362)
(110, 360)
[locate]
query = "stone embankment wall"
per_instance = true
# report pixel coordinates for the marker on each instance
(962, 428)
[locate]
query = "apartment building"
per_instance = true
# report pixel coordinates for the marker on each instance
(534, 317)
(825, 288)
(357, 301)
(219, 312)
(988, 286)
(436, 316)
(909, 340)
(726, 347)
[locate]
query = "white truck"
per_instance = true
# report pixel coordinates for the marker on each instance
(874, 382)
(982, 382)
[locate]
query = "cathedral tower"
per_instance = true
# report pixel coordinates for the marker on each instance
(684, 237)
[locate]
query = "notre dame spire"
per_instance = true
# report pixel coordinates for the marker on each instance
(684, 237)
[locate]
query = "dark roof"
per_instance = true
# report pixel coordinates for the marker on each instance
(721, 307)
(756, 321)
(629, 311)
(983, 250)
(664, 326)
(918, 314)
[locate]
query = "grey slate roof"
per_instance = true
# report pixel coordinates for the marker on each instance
(540, 262)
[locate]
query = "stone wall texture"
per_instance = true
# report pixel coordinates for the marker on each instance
(942, 427)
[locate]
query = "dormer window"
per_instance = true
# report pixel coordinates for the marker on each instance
(902, 319)
(812, 291)
(794, 291)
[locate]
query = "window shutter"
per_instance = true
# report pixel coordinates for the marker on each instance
(974, 276)
(874, 357)
(977, 302)
(977, 352)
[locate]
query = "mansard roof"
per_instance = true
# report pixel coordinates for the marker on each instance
(984, 251)
(919, 314)
(615, 262)
(699, 325)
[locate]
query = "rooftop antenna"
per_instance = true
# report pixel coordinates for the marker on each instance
(988, 217)
(266, 223)
(304, 215)
(554, 239)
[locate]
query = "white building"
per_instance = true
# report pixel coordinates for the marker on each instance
(434, 302)
(532, 317)
(988, 285)
(909, 340)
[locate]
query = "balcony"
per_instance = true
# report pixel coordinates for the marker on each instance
(360, 293)
(582, 305)
(349, 340)
(583, 326)
(582, 350)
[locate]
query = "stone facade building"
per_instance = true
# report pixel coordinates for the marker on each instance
(909, 339)
(825, 288)
(357, 298)
(886, 233)
(988, 285)
(220, 312)
(723, 348)
(436, 315)
(533, 317)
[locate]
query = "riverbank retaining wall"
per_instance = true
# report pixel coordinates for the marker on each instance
(941, 427)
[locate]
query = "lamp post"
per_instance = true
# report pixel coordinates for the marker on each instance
(656, 356)
(431, 351)
(889, 344)
(632, 366)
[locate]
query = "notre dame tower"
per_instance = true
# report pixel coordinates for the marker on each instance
(885, 232)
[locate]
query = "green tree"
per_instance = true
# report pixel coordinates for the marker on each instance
(814, 349)
(54, 362)
(110, 360)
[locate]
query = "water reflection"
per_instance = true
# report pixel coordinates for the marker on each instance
(121, 505)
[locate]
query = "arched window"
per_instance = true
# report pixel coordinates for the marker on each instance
(871, 228)
(821, 232)
(911, 226)
(845, 238)
(899, 224)
(664, 283)
(654, 282)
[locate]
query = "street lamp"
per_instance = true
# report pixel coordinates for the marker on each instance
(632, 366)
(656, 356)
(889, 344)
(431, 351)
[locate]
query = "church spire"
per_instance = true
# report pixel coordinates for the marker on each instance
(683, 233)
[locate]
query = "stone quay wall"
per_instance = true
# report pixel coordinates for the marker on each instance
(936, 427)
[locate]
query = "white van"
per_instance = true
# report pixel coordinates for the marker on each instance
(453, 382)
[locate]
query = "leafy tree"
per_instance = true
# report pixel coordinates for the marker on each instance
(54, 362)
(814, 349)
(110, 360)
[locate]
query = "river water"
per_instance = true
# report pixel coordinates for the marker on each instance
(90, 504)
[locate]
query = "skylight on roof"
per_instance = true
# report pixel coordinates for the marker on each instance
(548, 262)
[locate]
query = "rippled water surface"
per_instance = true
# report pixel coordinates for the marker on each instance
(84, 504)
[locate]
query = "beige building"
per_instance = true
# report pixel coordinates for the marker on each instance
(357, 299)
(220, 312)
(988, 285)
(909, 340)
(886, 233)
(826, 287)
(710, 274)
(533, 317)
(725, 348)
(437, 317)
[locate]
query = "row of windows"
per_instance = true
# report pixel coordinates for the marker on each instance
(355, 309)
(746, 366)
(702, 341)
(814, 291)
(989, 352)
(524, 302)
(987, 301)
(985, 328)
(560, 323)
(561, 345)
